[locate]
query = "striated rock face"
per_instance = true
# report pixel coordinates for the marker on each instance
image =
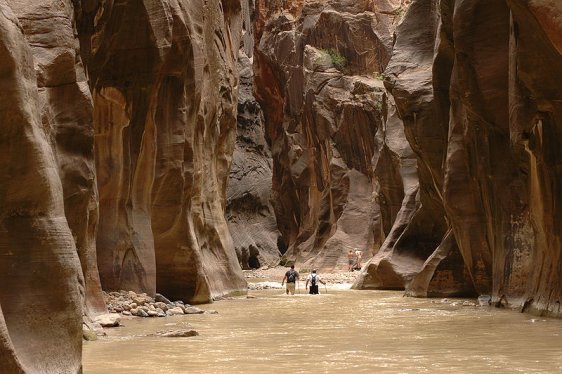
(157, 94)
(476, 91)
(250, 215)
(322, 100)
(163, 78)
(66, 114)
(41, 285)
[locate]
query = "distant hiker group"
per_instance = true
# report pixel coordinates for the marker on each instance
(292, 277)
(354, 259)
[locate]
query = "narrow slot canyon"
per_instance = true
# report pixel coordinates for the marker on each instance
(174, 158)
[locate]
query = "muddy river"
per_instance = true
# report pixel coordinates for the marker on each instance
(343, 331)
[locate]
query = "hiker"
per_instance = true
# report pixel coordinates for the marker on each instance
(314, 279)
(291, 276)
(350, 260)
(358, 255)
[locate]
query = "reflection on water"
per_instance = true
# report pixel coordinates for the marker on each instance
(339, 332)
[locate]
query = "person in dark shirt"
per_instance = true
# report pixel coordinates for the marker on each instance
(291, 277)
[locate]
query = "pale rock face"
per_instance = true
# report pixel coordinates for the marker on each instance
(40, 269)
(324, 124)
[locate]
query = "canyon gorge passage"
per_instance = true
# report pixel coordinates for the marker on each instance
(162, 146)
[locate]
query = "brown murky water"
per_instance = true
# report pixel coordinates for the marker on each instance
(339, 332)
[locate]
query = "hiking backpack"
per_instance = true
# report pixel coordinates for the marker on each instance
(313, 280)
(292, 276)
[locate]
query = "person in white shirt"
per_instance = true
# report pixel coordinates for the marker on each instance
(358, 256)
(313, 279)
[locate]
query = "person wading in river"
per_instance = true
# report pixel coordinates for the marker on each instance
(314, 279)
(291, 276)
(350, 260)
(358, 256)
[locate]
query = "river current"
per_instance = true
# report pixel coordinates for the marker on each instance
(342, 331)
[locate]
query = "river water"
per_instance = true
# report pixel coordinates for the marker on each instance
(343, 331)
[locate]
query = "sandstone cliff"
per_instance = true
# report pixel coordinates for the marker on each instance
(163, 78)
(138, 101)
(41, 285)
(475, 84)
(317, 66)
(250, 215)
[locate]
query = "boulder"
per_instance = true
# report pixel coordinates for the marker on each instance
(108, 320)
(193, 310)
(177, 333)
(175, 311)
(162, 299)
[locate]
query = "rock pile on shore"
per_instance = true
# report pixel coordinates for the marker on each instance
(129, 303)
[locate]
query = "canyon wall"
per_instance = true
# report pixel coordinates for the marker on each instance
(163, 78)
(136, 100)
(44, 175)
(249, 212)
(318, 71)
(475, 83)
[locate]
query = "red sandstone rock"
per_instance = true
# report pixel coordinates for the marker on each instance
(163, 78)
(322, 117)
(476, 90)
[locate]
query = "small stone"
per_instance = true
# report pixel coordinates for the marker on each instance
(179, 302)
(161, 298)
(250, 297)
(126, 313)
(133, 306)
(161, 305)
(88, 334)
(108, 320)
(211, 311)
(152, 313)
(175, 311)
(138, 300)
(177, 333)
(142, 313)
(193, 310)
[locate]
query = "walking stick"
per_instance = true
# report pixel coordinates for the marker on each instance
(326, 288)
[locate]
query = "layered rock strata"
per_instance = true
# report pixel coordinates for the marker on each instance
(476, 91)
(322, 100)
